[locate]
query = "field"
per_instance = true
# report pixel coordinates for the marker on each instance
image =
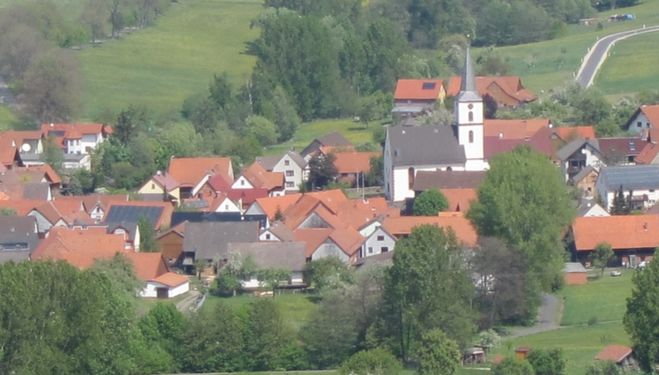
(548, 64)
(162, 65)
(602, 299)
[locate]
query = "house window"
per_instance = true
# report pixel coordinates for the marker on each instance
(370, 250)
(153, 186)
(380, 238)
(290, 173)
(471, 136)
(384, 249)
(268, 236)
(410, 177)
(226, 207)
(651, 190)
(242, 182)
(290, 184)
(639, 124)
(471, 116)
(287, 162)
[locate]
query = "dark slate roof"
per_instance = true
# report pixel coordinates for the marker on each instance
(582, 174)
(269, 162)
(127, 213)
(129, 226)
(468, 91)
(382, 259)
(198, 217)
(619, 148)
(425, 145)
(630, 177)
(284, 255)
(334, 139)
(18, 238)
(575, 145)
(209, 240)
(36, 190)
(425, 180)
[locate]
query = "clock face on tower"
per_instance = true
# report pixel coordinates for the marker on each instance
(470, 106)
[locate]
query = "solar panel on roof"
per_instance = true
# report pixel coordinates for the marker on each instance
(428, 85)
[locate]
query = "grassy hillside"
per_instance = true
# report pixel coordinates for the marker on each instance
(548, 64)
(160, 66)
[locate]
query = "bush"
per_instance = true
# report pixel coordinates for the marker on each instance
(547, 362)
(604, 368)
(510, 366)
(592, 321)
(371, 362)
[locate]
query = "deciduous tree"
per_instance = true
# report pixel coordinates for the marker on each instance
(371, 362)
(601, 256)
(430, 203)
(437, 354)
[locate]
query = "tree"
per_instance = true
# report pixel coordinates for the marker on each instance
(430, 203)
(321, 170)
(261, 129)
(93, 15)
(129, 123)
(327, 274)
(148, 241)
(221, 91)
(510, 366)
(375, 176)
(120, 271)
(213, 341)
(272, 278)
(524, 201)
(641, 319)
(52, 154)
(604, 368)
(163, 326)
(428, 287)
(620, 206)
(601, 256)
(437, 354)
(547, 362)
(266, 336)
(371, 362)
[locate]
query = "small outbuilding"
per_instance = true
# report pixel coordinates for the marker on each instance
(621, 355)
(575, 274)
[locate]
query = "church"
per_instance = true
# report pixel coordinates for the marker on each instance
(459, 147)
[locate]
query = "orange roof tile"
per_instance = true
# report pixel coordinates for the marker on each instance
(354, 162)
(621, 232)
(513, 129)
(297, 212)
(70, 208)
(103, 200)
(190, 171)
(648, 154)
(148, 266)
(171, 279)
(79, 247)
(21, 206)
(464, 230)
(615, 353)
(651, 112)
(566, 133)
(511, 86)
(262, 179)
(312, 237)
(459, 199)
(270, 205)
(348, 239)
(418, 89)
(332, 199)
(356, 213)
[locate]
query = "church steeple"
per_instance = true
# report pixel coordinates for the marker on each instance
(469, 118)
(468, 91)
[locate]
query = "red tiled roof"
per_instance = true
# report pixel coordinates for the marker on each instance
(652, 113)
(270, 205)
(171, 279)
(219, 182)
(464, 230)
(190, 171)
(418, 89)
(312, 237)
(147, 266)
(567, 133)
(510, 85)
(356, 213)
(621, 147)
(460, 199)
(21, 206)
(513, 129)
(248, 196)
(262, 179)
(103, 200)
(354, 162)
(621, 232)
(73, 131)
(167, 182)
(615, 353)
(79, 247)
(648, 154)
(540, 142)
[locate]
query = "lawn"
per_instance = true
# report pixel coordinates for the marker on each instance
(603, 299)
(160, 66)
(355, 132)
(548, 64)
(295, 308)
(616, 77)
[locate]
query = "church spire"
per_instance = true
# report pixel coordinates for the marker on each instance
(468, 81)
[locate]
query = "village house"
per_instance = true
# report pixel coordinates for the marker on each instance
(621, 355)
(413, 97)
(564, 134)
(161, 187)
(621, 150)
(256, 177)
(644, 118)
(585, 181)
(505, 91)
(642, 181)
(77, 138)
(352, 167)
(588, 208)
(288, 256)
(650, 153)
(577, 155)
(327, 143)
(292, 164)
(23, 147)
(170, 244)
(633, 238)
(192, 173)
(574, 273)
(18, 238)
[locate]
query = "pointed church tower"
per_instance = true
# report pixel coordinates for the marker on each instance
(469, 118)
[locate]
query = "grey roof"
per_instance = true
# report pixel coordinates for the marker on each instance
(74, 157)
(30, 157)
(285, 255)
(209, 240)
(425, 145)
(334, 139)
(573, 267)
(582, 174)
(468, 92)
(630, 177)
(18, 238)
(282, 232)
(425, 180)
(382, 259)
(129, 226)
(269, 162)
(36, 190)
(127, 213)
(575, 145)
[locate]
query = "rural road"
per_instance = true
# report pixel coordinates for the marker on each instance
(600, 50)
(549, 316)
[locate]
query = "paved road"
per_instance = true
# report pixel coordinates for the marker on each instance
(189, 303)
(549, 316)
(599, 51)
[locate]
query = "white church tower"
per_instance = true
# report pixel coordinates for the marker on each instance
(469, 118)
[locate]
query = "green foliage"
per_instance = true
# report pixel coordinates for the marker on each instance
(148, 241)
(430, 203)
(601, 256)
(213, 341)
(163, 327)
(327, 274)
(641, 319)
(266, 336)
(120, 271)
(261, 129)
(437, 354)
(620, 204)
(272, 278)
(6, 211)
(510, 366)
(604, 368)
(371, 362)
(547, 362)
(52, 154)
(428, 287)
(524, 201)
(375, 176)
(321, 171)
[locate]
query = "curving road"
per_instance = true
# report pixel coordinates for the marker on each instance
(600, 50)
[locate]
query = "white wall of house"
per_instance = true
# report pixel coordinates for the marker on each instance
(228, 205)
(294, 175)
(596, 210)
(151, 289)
(266, 235)
(327, 249)
(401, 182)
(252, 282)
(639, 123)
(242, 183)
(370, 228)
(608, 196)
(43, 225)
(377, 243)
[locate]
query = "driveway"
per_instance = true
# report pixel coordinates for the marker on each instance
(598, 53)
(549, 317)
